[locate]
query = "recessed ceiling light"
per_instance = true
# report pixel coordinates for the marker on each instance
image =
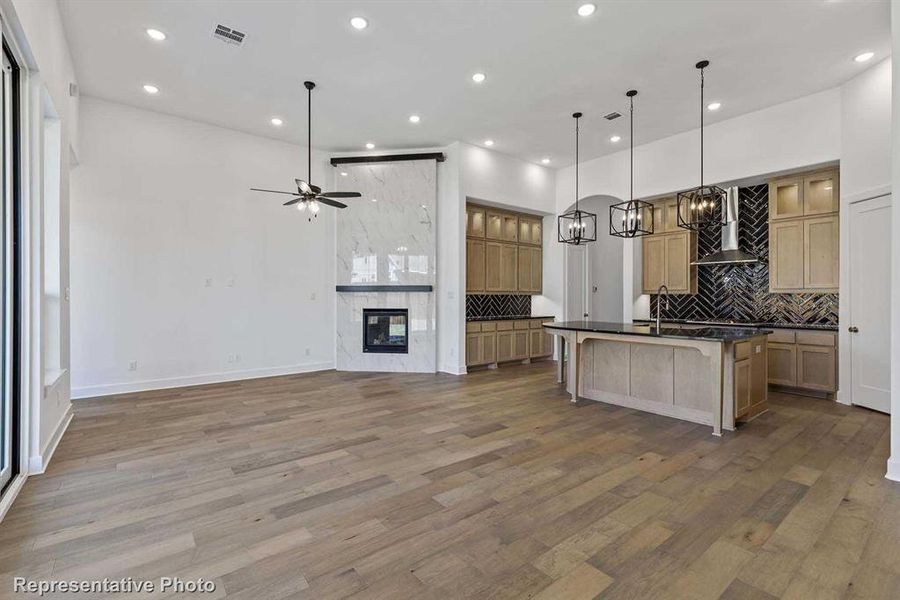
(488, 142)
(370, 145)
(714, 105)
(546, 161)
(276, 122)
(586, 10)
(414, 118)
(359, 23)
(343, 173)
(156, 34)
(864, 56)
(374, 199)
(479, 77)
(151, 89)
(615, 138)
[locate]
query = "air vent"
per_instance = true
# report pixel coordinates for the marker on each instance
(612, 115)
(229, 35)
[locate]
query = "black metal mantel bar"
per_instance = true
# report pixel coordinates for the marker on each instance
(348, 160)
(384, 288)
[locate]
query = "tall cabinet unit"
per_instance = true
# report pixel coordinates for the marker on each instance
(503, 252)
(804, 228)
(669, 252)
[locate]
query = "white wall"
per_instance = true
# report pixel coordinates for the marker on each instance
(865, 174)
(178, 266)
(451, 265)
(893, 466)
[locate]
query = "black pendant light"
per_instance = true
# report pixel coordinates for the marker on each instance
(633, 218)
(577, 227)
(702, 207)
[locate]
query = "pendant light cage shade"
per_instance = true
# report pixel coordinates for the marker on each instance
(702, 208)
(631, 219)
(577, 227)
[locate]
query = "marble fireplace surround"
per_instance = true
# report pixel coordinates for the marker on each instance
(386, 242)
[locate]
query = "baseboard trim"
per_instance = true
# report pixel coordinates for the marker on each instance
(893, 469)
(453, 370)
(38, 464)
(10, 494)
(112, 389)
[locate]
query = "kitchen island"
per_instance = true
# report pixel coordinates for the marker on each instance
(710, 375)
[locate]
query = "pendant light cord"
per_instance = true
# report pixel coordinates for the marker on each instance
(702, 85)
(631, 157)
(309, 134)
(576, 161)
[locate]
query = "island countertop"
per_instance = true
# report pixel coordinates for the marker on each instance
(715, 334)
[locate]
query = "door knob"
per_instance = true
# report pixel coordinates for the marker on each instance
(853, 329)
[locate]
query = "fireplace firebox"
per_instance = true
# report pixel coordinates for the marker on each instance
(386, 330)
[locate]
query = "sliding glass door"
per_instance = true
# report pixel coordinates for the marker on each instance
(8, 268)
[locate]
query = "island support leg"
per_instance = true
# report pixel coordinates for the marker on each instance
(561, 358)
(718, 356)
(574, 364)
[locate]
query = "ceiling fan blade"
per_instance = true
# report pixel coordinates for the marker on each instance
(303, 186)
(273, 191)
(316, 189)
(294, 201)
(341, 194)
(330, 202)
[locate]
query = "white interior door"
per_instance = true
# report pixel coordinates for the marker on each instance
(576, 285)
(870, 303)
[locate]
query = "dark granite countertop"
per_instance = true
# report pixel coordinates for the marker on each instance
(715, 334)
(713, 323)
(508, 318)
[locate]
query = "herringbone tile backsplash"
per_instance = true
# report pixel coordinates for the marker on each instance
(740, 292)
(497, 305)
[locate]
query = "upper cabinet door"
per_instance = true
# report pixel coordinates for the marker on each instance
(537, 232)
(786, 198)
(494, 225)
(529, 231)
(678, 263)
(474, 221)
(671, 205)
(493, 267)
(537, 271)
(786, 256)
(659, 217)
(510, 231)
(654, 267)
(821, 193)
(821, 247)
(509, 268)
(475, 274)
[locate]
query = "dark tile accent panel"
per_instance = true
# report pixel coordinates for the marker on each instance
(497, 305)
(740, 292)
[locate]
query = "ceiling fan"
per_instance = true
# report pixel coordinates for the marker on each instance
(309, 196)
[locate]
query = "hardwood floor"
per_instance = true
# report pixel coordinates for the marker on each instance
(333, 485)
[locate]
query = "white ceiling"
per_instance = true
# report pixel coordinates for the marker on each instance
(542, 60)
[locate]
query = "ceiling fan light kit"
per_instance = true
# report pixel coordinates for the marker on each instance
(309, 196)
(577, 226)
(632, 218)
(701, 207)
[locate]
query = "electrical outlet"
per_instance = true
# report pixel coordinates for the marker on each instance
(132, 365)
(230, 282)
(237, 358)
(312, 296)
(307, 351)
(207, 282)
(230, 358)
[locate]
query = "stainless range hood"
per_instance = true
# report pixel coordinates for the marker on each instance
(729, 254)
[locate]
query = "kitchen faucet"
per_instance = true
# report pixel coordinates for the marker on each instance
(659, 303)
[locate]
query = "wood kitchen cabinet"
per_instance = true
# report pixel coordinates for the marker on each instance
(821, 244)
(503, 252)
(475, 223)
(530, 270)
(742, 383)
(667, 261)
(803, 359)
(786, 256)
(475, 266)
(491, 342)
(804, 233)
